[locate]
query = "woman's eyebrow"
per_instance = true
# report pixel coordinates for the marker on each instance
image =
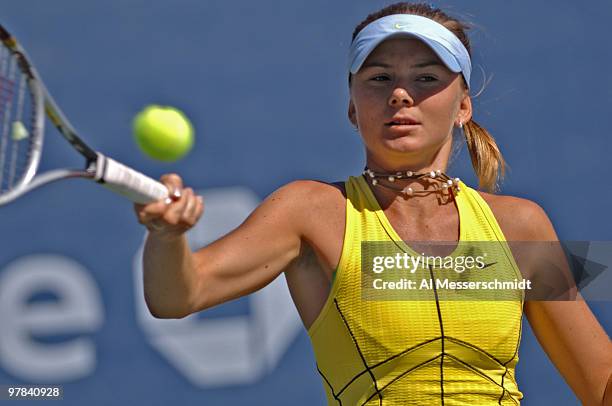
(426, 64)
(377, 64)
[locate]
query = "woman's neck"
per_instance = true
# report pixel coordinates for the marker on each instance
(417, 187)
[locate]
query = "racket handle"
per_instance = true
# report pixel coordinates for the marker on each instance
(127, 182)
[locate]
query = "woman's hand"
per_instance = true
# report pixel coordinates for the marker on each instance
(172, 217)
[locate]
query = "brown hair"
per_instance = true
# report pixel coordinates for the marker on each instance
(487, 159)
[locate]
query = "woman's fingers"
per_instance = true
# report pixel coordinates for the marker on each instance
(173, 215)
(147, 212)
(176, 208)
(193, 213)
(174, 183)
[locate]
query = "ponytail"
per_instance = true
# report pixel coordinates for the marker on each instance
(487, 159)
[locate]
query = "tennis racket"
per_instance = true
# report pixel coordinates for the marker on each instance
(24, 103)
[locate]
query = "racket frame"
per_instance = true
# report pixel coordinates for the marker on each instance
(112, 174)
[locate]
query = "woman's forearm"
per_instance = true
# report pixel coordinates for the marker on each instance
(169, 276)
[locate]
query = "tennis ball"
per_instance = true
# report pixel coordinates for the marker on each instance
(163, 133)
(19, 131)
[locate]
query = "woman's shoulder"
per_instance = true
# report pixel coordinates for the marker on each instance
(507, 204)
(312, 189)
(306, 196)
(315, 208)
(519, 218)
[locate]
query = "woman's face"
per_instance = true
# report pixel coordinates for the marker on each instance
(405, 102)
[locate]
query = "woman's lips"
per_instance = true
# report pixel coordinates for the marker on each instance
(398, 120)
(402, 126)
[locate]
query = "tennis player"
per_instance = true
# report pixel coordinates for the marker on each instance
(409, 74)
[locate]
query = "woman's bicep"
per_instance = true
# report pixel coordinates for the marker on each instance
(252, 255)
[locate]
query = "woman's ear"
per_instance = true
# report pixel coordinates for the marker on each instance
(465, 109)
(352, 114)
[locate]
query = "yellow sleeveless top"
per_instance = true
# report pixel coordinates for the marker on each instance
(417, 352)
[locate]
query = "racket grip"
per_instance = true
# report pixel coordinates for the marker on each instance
(127, 182)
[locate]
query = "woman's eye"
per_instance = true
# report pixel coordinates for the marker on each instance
(426, 78)
(380, 78)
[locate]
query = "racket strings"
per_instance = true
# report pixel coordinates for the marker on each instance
(7, 69)
(17, 118)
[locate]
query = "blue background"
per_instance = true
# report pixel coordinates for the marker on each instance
(265, 86)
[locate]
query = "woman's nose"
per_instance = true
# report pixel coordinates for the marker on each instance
(400, 97)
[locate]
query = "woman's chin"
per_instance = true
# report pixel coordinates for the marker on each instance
(405, 145)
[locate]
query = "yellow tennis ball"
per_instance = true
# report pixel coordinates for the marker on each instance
(163, 132)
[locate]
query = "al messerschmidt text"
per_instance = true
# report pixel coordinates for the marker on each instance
(455, 285)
